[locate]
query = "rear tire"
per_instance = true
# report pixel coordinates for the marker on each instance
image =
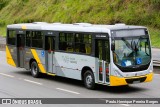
(89, 80)
(35, 70)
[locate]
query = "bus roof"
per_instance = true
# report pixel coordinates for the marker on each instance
(78, 27)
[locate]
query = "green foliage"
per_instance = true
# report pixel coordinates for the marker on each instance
(155, 1)
(3, 3)
(133, 12)
(155, 37)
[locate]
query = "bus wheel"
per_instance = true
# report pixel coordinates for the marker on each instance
(89, 81)
(35, 70)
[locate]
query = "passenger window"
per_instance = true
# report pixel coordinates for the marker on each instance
(79, 45)
(66, 42)
(28, 38)
(79, 42)
(83, 43)
(37, 39)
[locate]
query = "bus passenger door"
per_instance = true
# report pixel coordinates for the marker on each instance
(49, 52)
(103, 53)
(20, 49)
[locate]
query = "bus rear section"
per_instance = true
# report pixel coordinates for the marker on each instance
(15, 48)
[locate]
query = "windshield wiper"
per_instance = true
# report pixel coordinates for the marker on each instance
(127, 44)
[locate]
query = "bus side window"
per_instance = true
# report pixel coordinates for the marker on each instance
(66, 42)
(88, 48)
(88, 43)
(80, 42)
(83, 43)
(62, 44)
(11, 37)
(28, 38)
(37, 39)
(82, 48)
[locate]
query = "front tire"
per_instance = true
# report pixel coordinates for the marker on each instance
(35, 70)
(89, 80)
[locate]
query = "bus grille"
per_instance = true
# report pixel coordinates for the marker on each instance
(136, 80)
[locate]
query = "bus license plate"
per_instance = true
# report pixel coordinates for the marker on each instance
(134, 82)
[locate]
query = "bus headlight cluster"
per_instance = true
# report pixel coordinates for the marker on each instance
(150, 71)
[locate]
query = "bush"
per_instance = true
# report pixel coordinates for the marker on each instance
(2, 23)
(155, 4)
(3, 3)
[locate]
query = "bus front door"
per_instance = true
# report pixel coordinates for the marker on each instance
(103, 53)
(49, 52)
(20, 49)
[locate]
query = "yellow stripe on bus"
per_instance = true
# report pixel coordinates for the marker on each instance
(35, 55)
(24, 27)
(9, 57)
(51, 74)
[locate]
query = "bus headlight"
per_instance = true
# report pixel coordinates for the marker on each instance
(150, 71)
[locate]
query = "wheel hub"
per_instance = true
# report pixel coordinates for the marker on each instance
(34, 70)
(89, 80)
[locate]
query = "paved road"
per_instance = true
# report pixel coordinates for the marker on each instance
(2, 40)
(156, 53)
(19, 83)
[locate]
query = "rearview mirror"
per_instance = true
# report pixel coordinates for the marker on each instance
(113, 47)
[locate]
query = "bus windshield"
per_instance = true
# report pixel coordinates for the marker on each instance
(132, 51)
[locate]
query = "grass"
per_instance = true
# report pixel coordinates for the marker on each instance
(133, 12)
(155, 37)
(3, 31)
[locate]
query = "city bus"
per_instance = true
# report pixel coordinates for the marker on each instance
(113, 55)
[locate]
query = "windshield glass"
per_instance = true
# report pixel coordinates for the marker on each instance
(132, 51)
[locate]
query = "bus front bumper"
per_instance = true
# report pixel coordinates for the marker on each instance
(118, 81)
